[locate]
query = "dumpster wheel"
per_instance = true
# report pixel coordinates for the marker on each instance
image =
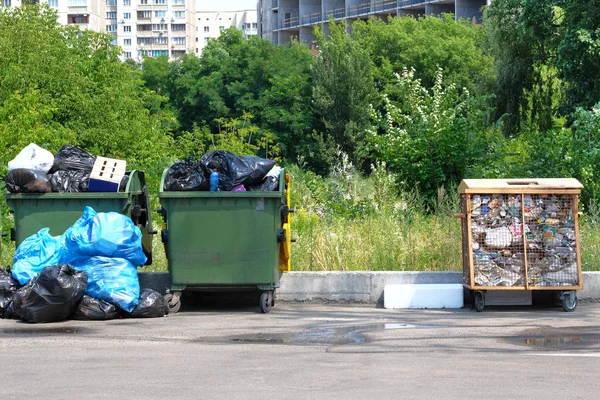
(266, 301)
(568, 301)
(174, 306)
(478, 300)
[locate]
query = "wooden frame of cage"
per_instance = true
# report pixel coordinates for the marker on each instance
(522, 187)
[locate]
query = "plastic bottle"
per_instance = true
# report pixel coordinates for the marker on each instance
(214, 181)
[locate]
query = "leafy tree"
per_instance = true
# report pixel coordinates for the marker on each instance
(156, 73)
(579, 54)
(343, 89)
(585, 157)
(61, 85)
(426, 44)
(432, 138)
(522, 38)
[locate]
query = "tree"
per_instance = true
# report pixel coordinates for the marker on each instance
(61, 85)
(579, 54)
(343, 89)
(522, 38)
(426, 44)
(432, 138)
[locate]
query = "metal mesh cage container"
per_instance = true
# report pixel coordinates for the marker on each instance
(521, 234)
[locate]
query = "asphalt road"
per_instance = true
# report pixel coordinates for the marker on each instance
(309, 351)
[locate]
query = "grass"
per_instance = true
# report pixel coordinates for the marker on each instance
(376, 243)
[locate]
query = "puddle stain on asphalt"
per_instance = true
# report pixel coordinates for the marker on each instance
(33, 331)
(569, 338)
(320, 336)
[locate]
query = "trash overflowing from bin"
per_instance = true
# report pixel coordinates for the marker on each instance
(505, 227)
(36, 170)
(232, 172)
(97, 257)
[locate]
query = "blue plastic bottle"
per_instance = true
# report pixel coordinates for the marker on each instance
(214, 181)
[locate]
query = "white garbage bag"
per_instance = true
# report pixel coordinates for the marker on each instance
(32, 157)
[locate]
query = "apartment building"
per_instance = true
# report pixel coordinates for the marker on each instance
(86, 14)
(143, 28)
(211, 24)
(280, 20)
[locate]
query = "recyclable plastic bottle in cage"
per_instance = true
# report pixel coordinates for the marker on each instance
(214, 181)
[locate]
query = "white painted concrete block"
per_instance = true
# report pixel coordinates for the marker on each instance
(423, 295)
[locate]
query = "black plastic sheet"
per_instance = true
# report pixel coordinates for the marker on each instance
(151, 305)
(51, 296)
(236, 170)
(186, 175)
(23, 180)
(93, 309)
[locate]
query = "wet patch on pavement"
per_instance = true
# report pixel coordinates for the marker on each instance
(35, 330)
(318, 336)
(568, 338)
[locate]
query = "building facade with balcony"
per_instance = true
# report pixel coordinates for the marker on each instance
(210, 24)
(152, 28)
(86, 14)
(142, 28)
(281, 20)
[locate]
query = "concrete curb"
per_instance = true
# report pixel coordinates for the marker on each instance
(356, 287)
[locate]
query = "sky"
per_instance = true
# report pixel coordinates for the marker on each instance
(225, 5)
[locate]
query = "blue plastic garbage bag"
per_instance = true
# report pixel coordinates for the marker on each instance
(114, 280)
(36, 253)
(105, 234)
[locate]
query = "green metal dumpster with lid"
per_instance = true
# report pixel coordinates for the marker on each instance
(226, 240)
(58, 211)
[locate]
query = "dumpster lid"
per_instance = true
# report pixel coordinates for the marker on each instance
(519, 185)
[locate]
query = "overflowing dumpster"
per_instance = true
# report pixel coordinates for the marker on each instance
(521, 235)
(58, 211)
(226, 240)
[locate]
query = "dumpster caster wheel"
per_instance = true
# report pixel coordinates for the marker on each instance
(478, 301)
(569, 301)
(266, 302)
(173, 306)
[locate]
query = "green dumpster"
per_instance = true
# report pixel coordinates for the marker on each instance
(58, 211)
(226, 240)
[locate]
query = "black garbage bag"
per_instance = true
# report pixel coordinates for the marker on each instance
(73, 158)
(270, 184)
(186, 175)
(8, 288)
(151, 305)
(23, 180)
(236, 170)
(10, 313)
(124, 181)
(70, 181)
(52, 295)
(90, 308)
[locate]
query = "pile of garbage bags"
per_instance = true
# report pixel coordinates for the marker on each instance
(500, 231)
(89, 272)
(235, 173)
(36, 170)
